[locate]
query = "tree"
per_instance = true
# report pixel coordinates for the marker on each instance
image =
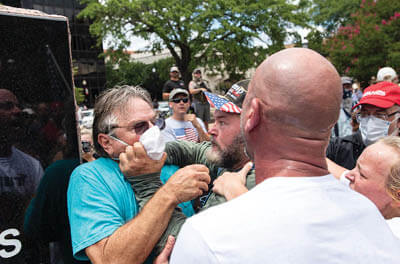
(370, 40)
(316, 41)
(331, 14)
(79, 95)
(197, 31)
(149, 76)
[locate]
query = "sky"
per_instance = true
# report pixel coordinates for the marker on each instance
(139, 43)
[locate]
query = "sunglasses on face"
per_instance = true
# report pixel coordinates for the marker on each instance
(8, 105)
(141, 127)
(178, 100)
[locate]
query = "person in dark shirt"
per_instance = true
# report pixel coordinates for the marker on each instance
(173, 83)
(378, 117)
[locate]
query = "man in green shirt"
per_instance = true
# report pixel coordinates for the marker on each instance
(224, 156)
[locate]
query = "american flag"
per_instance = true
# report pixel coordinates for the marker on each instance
(222, 104)
(188, 134)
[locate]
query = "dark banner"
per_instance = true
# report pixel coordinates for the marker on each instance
(38, 134)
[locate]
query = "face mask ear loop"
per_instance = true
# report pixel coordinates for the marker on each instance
(120, 141)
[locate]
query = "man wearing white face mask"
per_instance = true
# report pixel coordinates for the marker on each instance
(378, 117)
(103, 212)
(343, 126)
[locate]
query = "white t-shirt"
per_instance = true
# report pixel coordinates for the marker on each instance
(302, 220)
(393, 223)
(181, 130)
(20, 173)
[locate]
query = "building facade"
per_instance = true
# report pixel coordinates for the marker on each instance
(89, 69)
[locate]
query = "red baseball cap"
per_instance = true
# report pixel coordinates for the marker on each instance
(382, 94)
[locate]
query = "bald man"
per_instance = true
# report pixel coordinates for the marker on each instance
(19, 172)
(20, 175)
(298, 212)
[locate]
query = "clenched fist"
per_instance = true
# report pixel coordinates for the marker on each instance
(188, 183)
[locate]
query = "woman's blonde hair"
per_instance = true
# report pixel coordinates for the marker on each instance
(392, 184)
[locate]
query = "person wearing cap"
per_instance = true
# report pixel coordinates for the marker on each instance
(387, 74)
(173, 83)
(181, 125)
(230, 170)
(378, 117)
(197, 87)
(298, 212)
(103, 212)
(343, 126)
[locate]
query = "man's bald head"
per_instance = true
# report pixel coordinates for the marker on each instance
(299, 89)
(8, 104)
(7, 95)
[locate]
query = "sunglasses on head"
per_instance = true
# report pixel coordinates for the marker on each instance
(178, 100)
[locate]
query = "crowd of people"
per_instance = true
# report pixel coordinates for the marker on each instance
(283, 175)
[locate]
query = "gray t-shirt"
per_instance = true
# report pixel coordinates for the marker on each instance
(181, 130)
(19, 173)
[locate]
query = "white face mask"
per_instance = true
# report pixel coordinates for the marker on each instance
(373, 128)
(152, 141)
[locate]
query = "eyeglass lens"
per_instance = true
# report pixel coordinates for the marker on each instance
(8, 105)
(384, 116)
(141, 127)
(178, 100)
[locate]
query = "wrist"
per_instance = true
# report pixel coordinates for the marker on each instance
(195, 124)
(168, 196)
(235, 192)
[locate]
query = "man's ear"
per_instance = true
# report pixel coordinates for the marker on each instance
(105, 141)
(253, 115)
(170, 104)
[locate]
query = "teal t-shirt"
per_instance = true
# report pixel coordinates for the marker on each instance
(166, 173)
(100, 200)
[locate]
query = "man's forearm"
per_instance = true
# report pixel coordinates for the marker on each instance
(144, 187)
(195, 90)
(335, 169)
(133, 242)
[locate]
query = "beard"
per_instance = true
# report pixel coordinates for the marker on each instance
(228, 157)
(13, 129)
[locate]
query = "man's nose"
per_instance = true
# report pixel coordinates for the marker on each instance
(350, 176)
(212, 131)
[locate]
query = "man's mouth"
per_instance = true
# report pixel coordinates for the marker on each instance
(215, 145)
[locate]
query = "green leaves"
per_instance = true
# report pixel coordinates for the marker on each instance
(195, 31)
(79, 95)
(370, 40)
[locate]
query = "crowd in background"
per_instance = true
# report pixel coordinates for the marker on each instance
(145, 179)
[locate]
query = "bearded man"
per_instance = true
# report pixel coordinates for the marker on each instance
(229, 168)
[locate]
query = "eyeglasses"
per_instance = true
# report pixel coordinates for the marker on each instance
(383, 116)
(178, 100)
(141, 127)
(8, 105)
